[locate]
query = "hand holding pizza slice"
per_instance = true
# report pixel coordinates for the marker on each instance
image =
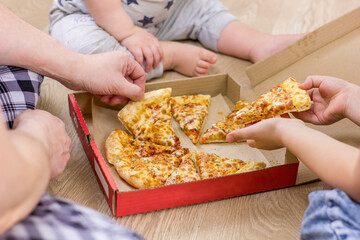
(284, 98)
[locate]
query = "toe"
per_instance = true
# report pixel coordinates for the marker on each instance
(199, 71)
(208, 56)
(203, 64)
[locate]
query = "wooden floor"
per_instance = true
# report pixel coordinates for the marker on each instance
(269, 215)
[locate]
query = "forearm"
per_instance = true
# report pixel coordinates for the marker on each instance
(334, 162)
(25, 46)
(24, 175)
(111, 16)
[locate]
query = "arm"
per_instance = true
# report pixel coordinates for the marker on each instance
(113, 73)
(334, 162)
(111, 16)
(35, 151)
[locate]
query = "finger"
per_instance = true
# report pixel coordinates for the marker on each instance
(313, 81)
(149, 58)
(160, 50)
(286, 115)
(138, 54)
(157, 55)
(132, 91)
(136, 74)
(105, 98)
(307, 116)
(235, 135)
(118, 100)
(251, 143)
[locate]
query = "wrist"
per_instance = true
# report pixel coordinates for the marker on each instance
(351, 102)
(25, 142)
(287, 128)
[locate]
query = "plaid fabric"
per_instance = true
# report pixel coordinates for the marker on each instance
(56, 218)
(19, 90)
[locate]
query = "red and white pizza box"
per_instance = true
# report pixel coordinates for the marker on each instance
(89, 117)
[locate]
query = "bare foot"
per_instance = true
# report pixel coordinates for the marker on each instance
(187, 59)
(271, 44)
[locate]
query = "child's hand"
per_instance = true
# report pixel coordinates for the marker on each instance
(266, 134)
(144, 45)
(330, 96)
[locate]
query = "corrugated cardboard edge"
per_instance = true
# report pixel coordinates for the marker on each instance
(313, 41)
(102, 173)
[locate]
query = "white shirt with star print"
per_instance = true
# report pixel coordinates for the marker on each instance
(147, 13)
(144, 13)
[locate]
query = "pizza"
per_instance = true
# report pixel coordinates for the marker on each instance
(284, 98)
(211, 165)
(186, 172)
(190, 112)
(144, 164)
(150, 118)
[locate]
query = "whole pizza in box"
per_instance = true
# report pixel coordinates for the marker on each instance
(151, 155)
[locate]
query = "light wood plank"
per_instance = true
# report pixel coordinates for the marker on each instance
(269, 215)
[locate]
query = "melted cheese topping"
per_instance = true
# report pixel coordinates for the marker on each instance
(150, 118)
(211, 165)
(190, 112)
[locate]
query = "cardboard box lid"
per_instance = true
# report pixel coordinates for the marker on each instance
(332, 50)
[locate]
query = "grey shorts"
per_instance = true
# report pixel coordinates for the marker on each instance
(201, 20)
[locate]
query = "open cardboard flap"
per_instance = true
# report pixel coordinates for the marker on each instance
(332, 50)
(104, 119)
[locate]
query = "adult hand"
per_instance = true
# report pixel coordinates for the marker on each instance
(115, 77)
(330, 97)
(266, 134)
(144, 45)
(50, 132)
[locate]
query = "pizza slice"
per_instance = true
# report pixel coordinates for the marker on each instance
(150, 118)
(142, 164)
(211, 165)
(284, 98)
(120, 145)
(147, 172)
(186, 172)
(190, 112)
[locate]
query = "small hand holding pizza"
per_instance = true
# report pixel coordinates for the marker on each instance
(283, 98)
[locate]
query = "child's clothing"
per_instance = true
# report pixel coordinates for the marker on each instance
(331, 214)
(19, 90)
(203, 20)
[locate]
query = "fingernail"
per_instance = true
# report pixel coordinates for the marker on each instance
(229, 138)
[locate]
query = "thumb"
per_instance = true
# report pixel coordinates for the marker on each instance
(132, 91)
(235, 135)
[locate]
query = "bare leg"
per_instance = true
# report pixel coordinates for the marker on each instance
(239, 40)
(187, 59)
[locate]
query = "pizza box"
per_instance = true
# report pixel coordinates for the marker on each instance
(94, 121)
(331, 50)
